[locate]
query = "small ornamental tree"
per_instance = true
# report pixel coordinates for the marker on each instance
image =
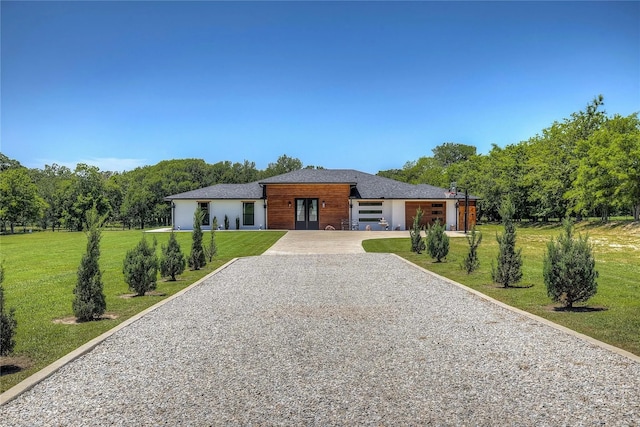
(569, 268)
(141, 267)
(509, 269)
(8, 322)
(437, 241)
(417, 244)
(197, 258)
(89, 302)
(211, 249)
(172, 262)
(472, 262)
(226, 222)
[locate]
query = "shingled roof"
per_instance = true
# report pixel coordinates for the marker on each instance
(365, 186)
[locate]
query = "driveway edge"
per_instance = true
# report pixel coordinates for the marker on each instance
(531, 316)
(49, 370)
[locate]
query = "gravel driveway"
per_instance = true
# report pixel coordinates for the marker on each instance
(355, 339)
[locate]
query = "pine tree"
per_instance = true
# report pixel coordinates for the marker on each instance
(89, 302)
(417, 244)
(437, 241)
(509, 269)
(197, 258)
(172, 261)
(569, 268)
(140, 267)
(471, 262)
(8, 322)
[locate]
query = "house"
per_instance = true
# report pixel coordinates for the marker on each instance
(316, 199)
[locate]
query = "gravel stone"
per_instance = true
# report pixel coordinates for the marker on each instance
(357, 339)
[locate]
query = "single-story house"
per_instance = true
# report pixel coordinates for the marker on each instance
(316, 199)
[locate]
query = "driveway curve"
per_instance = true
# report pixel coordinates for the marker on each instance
(345, 339)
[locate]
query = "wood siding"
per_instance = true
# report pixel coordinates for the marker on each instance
(282, 217)
(472, 215)
(431, 211)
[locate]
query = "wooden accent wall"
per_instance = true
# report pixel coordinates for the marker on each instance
(472, 214)
(281, 216)
(431, 211)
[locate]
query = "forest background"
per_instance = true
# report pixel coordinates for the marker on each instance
(585, 165)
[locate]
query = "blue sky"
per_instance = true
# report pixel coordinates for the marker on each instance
(362, 85)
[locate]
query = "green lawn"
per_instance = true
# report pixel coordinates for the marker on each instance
(40, 275)
(612, 315)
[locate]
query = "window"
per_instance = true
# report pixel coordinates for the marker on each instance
(204, 207)
(437, 205)
(370, 204)
(247, 213)
(379, 211)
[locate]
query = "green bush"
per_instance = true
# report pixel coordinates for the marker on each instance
(89, 302)
(172, 262)
(569, 268)
(226, 222)
(437, 241)
(196, 257)
(8, 323)
(141, 267)
(471, 263)
(417, 244)
(509, 269)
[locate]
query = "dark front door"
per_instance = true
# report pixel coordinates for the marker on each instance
(307, 214)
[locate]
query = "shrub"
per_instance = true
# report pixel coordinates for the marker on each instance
(196, 257)
(509, 269)
(172, 261)
(472, 262)
(417, 244)
(8, 323)
(226, 222)
(437, 241)
(237, 223)
(141, 267)
(89, 302)
(569, 268)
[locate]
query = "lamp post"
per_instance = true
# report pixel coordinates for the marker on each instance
(454, 189)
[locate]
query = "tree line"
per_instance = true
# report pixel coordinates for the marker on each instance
(57, 197)
(585, 165)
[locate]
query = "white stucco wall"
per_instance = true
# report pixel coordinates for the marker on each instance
(451, 214)
(184, 210)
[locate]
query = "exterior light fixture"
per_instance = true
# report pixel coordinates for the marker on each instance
(323, 204)
(289, 203)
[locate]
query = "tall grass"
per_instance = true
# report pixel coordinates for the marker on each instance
(41, 272)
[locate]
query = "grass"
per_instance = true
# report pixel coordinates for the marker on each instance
(40, 275)
(612, 315)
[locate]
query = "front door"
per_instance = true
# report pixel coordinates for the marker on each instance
(307, 214)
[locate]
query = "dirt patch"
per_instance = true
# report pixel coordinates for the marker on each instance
(147, 294)
(72, 320)
(14, 364)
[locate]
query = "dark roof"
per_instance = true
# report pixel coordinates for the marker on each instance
(222, 191)
(365, 186)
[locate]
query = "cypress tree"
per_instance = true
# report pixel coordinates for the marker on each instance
(173, 261)
(471, 262)
(437, 241)
(140, 267)
(417, 244)
(197, 258)
(89, 302)
(509, 269)
(569, 268)
(8, 322)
